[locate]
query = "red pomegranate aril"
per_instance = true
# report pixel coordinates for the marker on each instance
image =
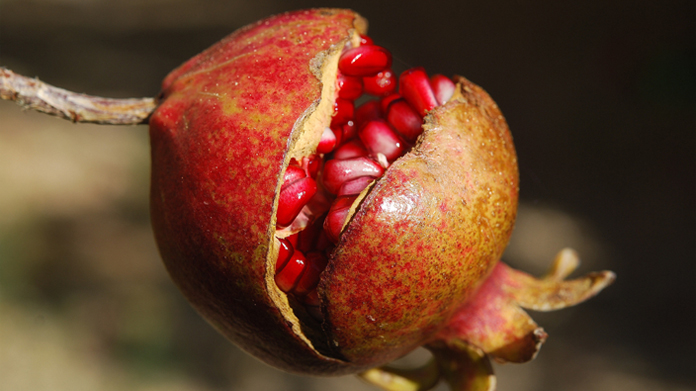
(387, 100)
(345, 133)
(350, 131)
(365, 40)
(365, 60)
(336, 172)
(316, 263)
(328, 141)
(414, 86)
(285, 251)
(349, 87)
(381, 84)
(293, 198)
(443, 88)
(313, 237)
(307, 238)
(379, 137)
(337, 216)
(323, 243)
(290, 273)
(405, 120)
(354, 186)
(292, 239)
(349, 150)
(338, 135)
(367, 112)
(343, 112)
(312, 165)
(292, 173)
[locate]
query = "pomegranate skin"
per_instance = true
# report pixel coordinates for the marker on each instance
(219, 140)
(426, 236)
(422, 240)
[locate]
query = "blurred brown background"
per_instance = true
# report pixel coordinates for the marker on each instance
(599, 95)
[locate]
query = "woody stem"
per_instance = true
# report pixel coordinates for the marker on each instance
(37, 95)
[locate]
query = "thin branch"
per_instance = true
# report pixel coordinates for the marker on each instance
(36, 95)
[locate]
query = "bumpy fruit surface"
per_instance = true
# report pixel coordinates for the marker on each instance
(420, 235)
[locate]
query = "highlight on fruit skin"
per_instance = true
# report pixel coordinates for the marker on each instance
(330, 216)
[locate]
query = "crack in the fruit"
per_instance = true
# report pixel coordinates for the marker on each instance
(302, 142)
(376, 139)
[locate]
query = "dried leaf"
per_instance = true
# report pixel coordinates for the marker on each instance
(494, 320)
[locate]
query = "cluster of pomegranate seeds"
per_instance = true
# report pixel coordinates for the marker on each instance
(356, 149)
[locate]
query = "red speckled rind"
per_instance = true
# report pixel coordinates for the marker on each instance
(219, 139)
(426, 236)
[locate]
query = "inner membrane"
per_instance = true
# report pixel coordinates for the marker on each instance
(319, 190)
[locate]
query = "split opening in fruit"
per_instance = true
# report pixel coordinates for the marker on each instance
(320, 191)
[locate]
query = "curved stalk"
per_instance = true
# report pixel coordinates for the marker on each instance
(36, 95)
(400, 379)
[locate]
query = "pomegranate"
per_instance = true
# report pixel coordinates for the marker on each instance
(328, 216)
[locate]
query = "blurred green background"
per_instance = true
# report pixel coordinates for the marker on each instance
(600, 97)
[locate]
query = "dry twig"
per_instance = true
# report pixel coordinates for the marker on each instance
(37, 95)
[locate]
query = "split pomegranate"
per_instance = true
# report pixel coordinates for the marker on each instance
(325, 215)
(329, 217)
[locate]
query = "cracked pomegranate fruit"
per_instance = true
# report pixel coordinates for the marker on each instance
(327, 214)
